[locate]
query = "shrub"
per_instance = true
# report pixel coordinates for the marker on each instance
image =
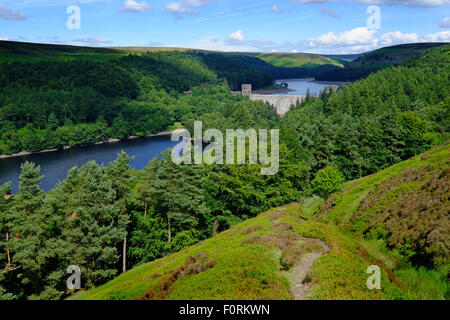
(327, 181)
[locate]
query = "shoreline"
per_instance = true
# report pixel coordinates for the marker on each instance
(314, 80)
(295, 79)
(332, 82)
(272, 91)
(111, 140)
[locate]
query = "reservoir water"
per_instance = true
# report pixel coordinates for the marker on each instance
(54, 165)
(302, 86)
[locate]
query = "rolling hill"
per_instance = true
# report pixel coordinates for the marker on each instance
(24, 51)
(11, 51)
(296, 60)
(320, 249)
(376, 60)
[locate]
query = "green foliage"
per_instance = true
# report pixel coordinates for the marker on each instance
(134, 95)
(376, 60)
(327, 181)
(376, 122)
(80, 222)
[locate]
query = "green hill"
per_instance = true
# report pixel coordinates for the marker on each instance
(385, 57)
(31, 52)
(296, 60)
(23, 51)
(377, 60)
(320, 249)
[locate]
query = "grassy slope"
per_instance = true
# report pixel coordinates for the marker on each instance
(404, 205)
(253, 259)
(296, 60)
(249, 261)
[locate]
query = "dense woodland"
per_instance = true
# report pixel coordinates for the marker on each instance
(374, 61)
(47, 105)
(241, 68)
(99, 212)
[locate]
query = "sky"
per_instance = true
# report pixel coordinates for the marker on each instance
(315, 26)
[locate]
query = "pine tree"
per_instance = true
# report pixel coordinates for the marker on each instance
(27, 228)
(53, 122)
(179, 195)
(144, 187)
(119, 173)
(5, 253)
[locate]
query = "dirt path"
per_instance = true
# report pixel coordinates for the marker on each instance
(299, 287)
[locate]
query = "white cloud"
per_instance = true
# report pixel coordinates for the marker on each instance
(4, 38)
(276, 8)
(92, 41)
(408, 3)
(237, 36)
(443, 36)
(363, 40)
(178, 9)
(216, 43)
(397, 37)
(358, 36)
(8, 14)
(134, 6)
(294, 51)
(444, 22)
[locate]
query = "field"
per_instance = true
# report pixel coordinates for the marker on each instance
(296, 60)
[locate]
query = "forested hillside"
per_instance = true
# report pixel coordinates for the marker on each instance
(376, 60)
(260, 258)
(300, 68)
(45, 105)
(51, 104)
(99, 212)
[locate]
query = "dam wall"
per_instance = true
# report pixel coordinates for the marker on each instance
(281, 103)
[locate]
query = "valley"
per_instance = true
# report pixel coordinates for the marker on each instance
(362, 179)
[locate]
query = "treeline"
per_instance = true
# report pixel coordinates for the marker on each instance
(347, 74)
(376, 122)
(241, 68)
(375, 61)
(47, 105)
(236, 72)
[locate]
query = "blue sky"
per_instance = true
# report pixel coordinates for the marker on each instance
(317, 26)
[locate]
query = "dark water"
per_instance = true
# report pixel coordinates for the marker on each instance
(302, 86)
(54, 165)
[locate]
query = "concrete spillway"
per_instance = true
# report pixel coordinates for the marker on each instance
(281, 103)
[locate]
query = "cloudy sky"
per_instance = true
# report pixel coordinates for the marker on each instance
(317, 26)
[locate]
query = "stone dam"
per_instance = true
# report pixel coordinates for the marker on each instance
(281, 103)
